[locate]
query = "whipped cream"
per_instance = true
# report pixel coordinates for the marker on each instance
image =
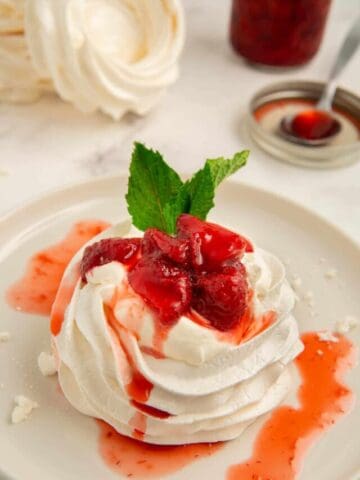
(112, 55)
(211, 387)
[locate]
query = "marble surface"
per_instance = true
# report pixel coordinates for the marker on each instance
(48, 144)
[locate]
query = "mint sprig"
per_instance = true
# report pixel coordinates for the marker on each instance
(157, 196)
(152, 184)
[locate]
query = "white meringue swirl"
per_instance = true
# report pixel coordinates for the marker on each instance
(212, 388)
(11, 16)
(19, 81)
(112, 55)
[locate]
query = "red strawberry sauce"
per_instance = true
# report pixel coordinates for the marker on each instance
(284, 438)
(35, 292)
(288, 434)
(283, 441)
(63, 298)
(138, 460)
(139, 388)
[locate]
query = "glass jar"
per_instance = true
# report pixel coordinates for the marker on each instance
(280, 33)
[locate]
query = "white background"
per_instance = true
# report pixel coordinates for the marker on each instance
(49, 144)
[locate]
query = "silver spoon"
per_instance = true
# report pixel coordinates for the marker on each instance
(317, 126)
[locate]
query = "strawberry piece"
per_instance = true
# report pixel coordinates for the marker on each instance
(249, 247)
(199, 267)
(210, 244)
(221, 297)
(163, 286)
(158, 243)
(124, 250)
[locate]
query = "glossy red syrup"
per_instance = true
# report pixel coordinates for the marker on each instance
(138, 423)
(152, 352)
(265, 109)
(138, 388)
(161, 334)
(248, 327)
(283, 441)
(124, 250)
(278, 32)
(289, 433)
(63, 298)
(313, 125)
(35, 292)
(139, 460)
(199, 267)
(152, 411)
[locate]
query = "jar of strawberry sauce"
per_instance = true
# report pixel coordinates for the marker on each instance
(279, 33)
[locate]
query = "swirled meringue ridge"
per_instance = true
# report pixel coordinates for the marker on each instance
(196, 385)
(11, 16)
(112, 55)
(19, 81)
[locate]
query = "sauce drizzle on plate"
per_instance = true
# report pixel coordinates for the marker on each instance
(140, 460)
(36, 290)
(284, 438)
(288, 434)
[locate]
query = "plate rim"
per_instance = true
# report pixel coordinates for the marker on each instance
(34, 200)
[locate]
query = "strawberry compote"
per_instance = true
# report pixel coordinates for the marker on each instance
(198, 268)
(281, 33)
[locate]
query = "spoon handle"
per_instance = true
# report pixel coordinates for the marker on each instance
(347, 50)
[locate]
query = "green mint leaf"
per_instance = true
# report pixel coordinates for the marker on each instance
(201, 192)
(222, 168)
(152, 185)
(156, 195)
(174, 208)
(201, 188)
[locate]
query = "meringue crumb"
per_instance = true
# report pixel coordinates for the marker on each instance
(320, 352)
(308, 295)
(22, 410)
(327, 336)
(322, 260)
(331, 273)
(297, 282)
(4, 337)
(346, 324)
(2, 385)
(47, 364)
(309, 298)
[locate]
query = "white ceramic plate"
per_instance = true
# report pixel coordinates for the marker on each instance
(57, 443)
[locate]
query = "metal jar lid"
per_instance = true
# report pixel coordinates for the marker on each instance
(337, 154)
